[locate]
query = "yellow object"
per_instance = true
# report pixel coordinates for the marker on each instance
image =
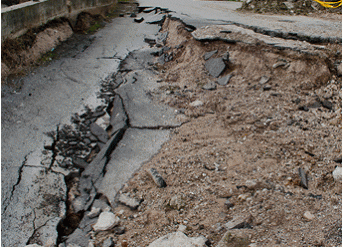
(330, 4)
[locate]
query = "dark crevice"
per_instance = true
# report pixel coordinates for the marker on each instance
(20, 171)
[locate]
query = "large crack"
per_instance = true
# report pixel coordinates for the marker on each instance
(20, 171)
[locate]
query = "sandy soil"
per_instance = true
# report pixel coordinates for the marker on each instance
(239, 154)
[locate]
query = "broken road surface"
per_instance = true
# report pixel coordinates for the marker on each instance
(55, 186)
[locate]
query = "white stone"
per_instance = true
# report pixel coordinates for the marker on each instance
(196, 103)
(243, 197)
(182, 228)
(337, 174)
(251, 184)
(307, 215)
(179, 239)
(106, 221)
(94, 212)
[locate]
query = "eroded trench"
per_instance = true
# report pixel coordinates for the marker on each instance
(82, 150)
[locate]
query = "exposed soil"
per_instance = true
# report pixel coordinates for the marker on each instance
(290, 7)
(38, 45)
(240, 153)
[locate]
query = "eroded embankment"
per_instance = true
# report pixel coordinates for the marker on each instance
(256, 162)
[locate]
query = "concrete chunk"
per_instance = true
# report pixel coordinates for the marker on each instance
(215, 67)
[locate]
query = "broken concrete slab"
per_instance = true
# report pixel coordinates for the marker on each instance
(47, 234)
(92, 173)
(223, 81)
(156, 19)
(124, 162)
(99, 132)
(209, 54)
(118, 116)
(78, 238)
(215, 67)
(233, 34)
(26, 217)
(142, 111)
(179, 239)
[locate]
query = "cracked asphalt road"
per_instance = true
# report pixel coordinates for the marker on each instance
(50, 95)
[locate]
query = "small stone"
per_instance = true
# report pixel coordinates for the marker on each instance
(208, 55)
(94, 212)
(243, 197)
(119, 230)
(228, 204)
(264, 79)
(226, 56)
(138, 20)
(176, 202)
(337, 174)
(303, 178)
(251, 184)
(108, 242)
(158, 179)
(223, 81)
(210, 86)
(133, 15)
(327, 104)
(280, 64)
(128, 201)
(215, 67)
(196, 103)
(308, 216)
(267, 87)
(239, 222)
(106, 221)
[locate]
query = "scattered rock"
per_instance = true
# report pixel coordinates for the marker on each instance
(109, 242)
(251, 184)
(208, 55)
(158, 179)
(239, 222)
(243, 197)
(99, 132)
(308, 216)
(119, 230)
(223, 81)
(94, 212)
(128, 201)
(79, 163)
(267, 87)
(138, 20)
(176, 202)
(226, 56)
(133, 15)
(196, 103)
(337, 174)
(106, 221)
(327, 104)
(303, 178)
(264, 79)
(228, 204)
(283, 64)
(179, 239)
(210, 86)
(215, 67)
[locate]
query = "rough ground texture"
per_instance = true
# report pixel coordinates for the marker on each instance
(293, 7)
(238, 157)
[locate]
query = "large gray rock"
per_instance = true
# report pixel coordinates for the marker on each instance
(179, 239)
(215, 67)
